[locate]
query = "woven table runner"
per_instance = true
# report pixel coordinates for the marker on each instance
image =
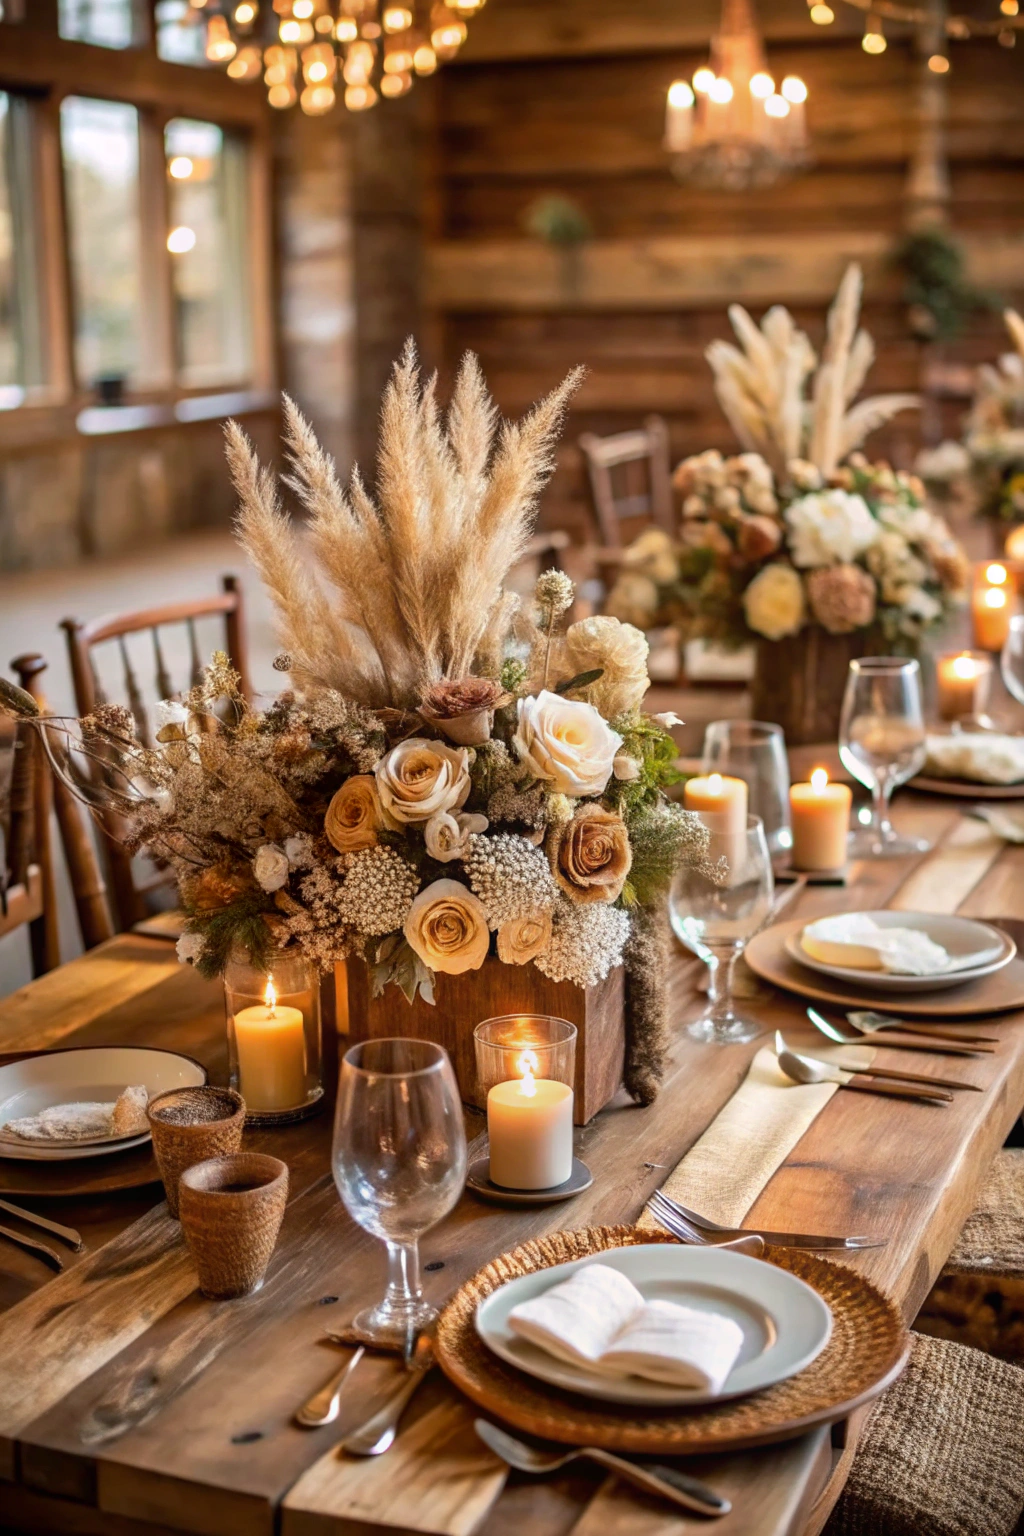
(724, 1172)
(949, 874)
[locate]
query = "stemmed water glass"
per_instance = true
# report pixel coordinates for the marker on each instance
(399, 1161)
(714, 910)
(756, 752)
(882, 743)
(1011, 662)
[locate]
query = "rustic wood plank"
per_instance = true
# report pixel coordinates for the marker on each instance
(661, 272)
(48, 1011)
(438, 1479)
(948, 877)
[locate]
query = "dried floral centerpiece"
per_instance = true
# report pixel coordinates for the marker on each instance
(995, 431)
(449, 781)
(799, 538)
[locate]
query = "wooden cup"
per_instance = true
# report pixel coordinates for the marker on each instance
(231, 1213)
(190, 1125)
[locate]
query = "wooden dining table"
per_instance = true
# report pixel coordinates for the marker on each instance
(129, 1404)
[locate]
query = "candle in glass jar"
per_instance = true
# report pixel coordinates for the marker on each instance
(270, 1039)
(820, 814)
(529, 1124)
(963, 683)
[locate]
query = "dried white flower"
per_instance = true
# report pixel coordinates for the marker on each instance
(190, 948)
(270, 866)
(377, 890)
(299, 851)
(447, 834)
(586, 943)
(511, 877)
(626, 768)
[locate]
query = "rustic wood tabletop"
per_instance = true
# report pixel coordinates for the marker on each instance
(129, 1404)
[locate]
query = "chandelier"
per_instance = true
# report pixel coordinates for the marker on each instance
(310, 51)
(730, 128)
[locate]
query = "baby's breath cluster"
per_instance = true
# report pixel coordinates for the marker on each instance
(510, 876)
(377, 890)
(586, 943)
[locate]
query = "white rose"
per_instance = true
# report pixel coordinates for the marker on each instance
(447, 836)
(829, 527)
(418, 778)
(626, 768)
(566, 742)
(270, 866)
(774, 603)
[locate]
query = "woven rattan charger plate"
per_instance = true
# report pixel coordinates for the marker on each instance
(865, 1354)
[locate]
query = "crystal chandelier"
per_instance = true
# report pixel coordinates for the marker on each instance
(731, 128)
(310, 51)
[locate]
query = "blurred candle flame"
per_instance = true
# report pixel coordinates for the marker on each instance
(528, 1065)
(819, 780)
(270, 996)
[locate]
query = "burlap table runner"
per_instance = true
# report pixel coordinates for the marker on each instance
(724, 1172)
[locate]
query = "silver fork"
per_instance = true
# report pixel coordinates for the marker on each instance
(750, 1243)
(812, 1241)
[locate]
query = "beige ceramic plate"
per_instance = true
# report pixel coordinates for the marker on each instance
(966, 789)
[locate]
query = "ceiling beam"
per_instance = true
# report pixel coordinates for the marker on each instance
(524, 29)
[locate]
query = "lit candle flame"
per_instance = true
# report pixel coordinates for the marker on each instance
(995, 597)
(715, 784)
(270, 996)
(996, 575)
(963, 666)
(819, 780)
(528, 1065)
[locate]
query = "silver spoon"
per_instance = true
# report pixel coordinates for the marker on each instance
(934, 1044)
(664, 1482)
(324, 1406)
(806, 1069)
(895, 1077)
(377, 1434)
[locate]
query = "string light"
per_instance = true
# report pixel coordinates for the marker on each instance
(822, 15)
(938, 64)
(220, 45)
(873, 40)
(245, 13)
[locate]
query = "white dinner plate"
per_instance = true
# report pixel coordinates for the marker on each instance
(785, 1323)
(82, 1074)
(976, 949)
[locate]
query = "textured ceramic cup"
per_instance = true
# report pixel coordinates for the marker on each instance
(190, 1125)
(231, 1213)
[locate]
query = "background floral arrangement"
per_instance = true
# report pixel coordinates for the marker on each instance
(448, 778)
(800, 528)
(995, 430)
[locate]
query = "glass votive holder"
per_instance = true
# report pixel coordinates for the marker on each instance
(525, 1064)
(963, 683)
(274, 1049)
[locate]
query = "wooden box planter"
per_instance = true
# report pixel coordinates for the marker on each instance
(496, 989)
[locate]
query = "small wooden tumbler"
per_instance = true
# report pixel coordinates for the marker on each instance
(231, 1213)
(190, 1125)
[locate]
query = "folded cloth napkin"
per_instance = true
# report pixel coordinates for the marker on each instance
(984, 756)
(87, 1120)
(597, 1318)
(853, 939)
(1005, 823)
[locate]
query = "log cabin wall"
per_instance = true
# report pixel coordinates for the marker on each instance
(568, 98)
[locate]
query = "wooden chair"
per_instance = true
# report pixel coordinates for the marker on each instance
(136, 891)
(28, 893)
(630, 479)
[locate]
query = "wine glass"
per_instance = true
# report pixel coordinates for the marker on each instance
(882, 743)
(714, 910)
(756, 752)
(1011, 662)
(399, 1161)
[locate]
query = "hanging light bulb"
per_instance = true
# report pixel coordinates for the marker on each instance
(246, 64)
(279, 65)
(245, 13)
(398, 57)
(318, 64)
(938, 64)
(447, 31)
(873, 40)
(358, 98)
(397, 18)
(761, 85)
(777, 106)
(720, 91)
(283, 95)
(794, 90)
(703, 79)
(317, 99)
(822, 15)
(424, 60)
(220, 45)
(324, 24)
(359, 62)
(467, 7)
(302, 10)
(296, 33)
(1009, 7)
(396, 85)
(346, 29)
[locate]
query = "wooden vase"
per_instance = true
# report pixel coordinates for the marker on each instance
(799, 682)
(495, 989)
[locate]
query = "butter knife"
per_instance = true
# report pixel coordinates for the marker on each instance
(43, 1250)
(69, 1235)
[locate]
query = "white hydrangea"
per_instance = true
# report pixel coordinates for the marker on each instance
(377, 890)
(511, 877)
(830, 527)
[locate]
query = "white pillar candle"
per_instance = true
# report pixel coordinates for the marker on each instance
(270, 1039)
(529, 1123)
(721, 804)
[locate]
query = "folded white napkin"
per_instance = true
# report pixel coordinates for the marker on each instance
(853, 939)
(598, 1318)
(984, 756)
(86, 1120)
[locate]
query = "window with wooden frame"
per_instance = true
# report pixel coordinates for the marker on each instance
(134, 226)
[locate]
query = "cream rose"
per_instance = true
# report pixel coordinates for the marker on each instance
(566, 742)
(447, 835)
(830, 527)
(774, 603)
(418, 778)
(354, 816)
(620, 651)
(270, 866)
(524, 938)
(447, 927)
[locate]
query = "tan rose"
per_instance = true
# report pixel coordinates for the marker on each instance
(463, 709)
(447, 927)
(522, 939)
(418, 778)
(354, 816)
(593, 856)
